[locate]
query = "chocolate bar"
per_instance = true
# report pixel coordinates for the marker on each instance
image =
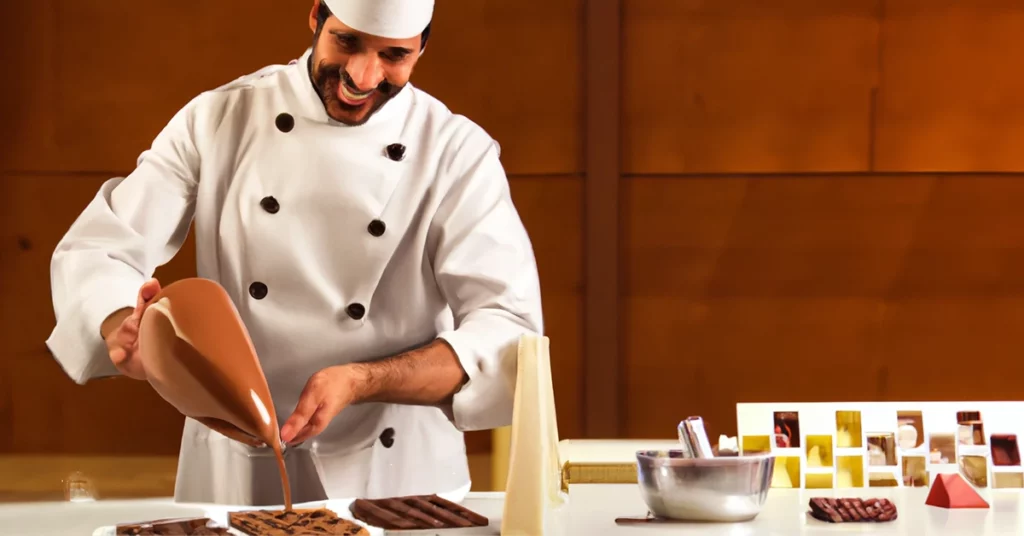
(416, 512)
(852, 510)
(293, 522)
(196, 526)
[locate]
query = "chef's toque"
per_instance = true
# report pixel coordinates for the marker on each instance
(392, 19)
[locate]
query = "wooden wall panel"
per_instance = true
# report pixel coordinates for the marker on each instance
(516, 70)
(818, 288)
(740, 86)
(37, 211)
(107, 76)
(951, 95)
(118, 416)
(953, 319)
(47, 413)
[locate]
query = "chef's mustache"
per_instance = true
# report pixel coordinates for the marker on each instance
(336, 73)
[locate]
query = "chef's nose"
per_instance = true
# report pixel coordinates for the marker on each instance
(366, 71)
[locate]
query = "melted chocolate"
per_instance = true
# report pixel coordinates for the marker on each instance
(198, 356)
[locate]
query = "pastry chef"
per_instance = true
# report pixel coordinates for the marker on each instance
(368, 239)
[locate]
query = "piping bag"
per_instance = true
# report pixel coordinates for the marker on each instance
(199, 357)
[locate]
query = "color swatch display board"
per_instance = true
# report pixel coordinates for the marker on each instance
(885, 444)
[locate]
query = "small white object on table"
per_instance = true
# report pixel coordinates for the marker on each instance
(592, 510)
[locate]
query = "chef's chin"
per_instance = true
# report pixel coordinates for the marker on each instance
(345, 113)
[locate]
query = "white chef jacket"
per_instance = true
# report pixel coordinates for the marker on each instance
(337, 244)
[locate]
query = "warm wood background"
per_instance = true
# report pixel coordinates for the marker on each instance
(818, 200)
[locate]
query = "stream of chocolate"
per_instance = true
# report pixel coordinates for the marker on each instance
(285, 485)
(198, 356)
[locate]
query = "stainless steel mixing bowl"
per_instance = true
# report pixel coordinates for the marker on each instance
(726, 489)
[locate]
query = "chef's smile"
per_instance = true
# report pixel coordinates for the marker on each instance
(352, 97)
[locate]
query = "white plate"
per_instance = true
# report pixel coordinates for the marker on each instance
(219, 514)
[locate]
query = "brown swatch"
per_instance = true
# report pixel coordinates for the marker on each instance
(852, 510)
(416, 512)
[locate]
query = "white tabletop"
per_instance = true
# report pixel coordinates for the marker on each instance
(592, 511)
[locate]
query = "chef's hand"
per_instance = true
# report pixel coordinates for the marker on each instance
(325, 395)
(121, 332)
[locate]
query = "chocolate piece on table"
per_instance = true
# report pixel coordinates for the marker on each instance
(449, 518)
(377, 514)
(852, 510)
(411, 513)
(290, 522)
(822, 509)
(475, 518)
(415, 512)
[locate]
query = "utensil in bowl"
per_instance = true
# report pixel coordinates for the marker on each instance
(727, 489)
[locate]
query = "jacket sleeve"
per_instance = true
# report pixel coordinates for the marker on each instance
(485, 267)
(132, 226)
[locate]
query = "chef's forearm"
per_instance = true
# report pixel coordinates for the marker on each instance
(427, 376)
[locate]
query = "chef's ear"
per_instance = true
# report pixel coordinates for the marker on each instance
(312, 15)
(424, 39)
(318, 15)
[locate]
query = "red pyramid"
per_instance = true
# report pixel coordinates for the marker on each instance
(952, 491)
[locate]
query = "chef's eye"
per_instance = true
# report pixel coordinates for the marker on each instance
(395, 55)
(347, 42)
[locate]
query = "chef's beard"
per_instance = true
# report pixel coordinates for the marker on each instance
(326, 79)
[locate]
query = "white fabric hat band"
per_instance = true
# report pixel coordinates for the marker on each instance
(393, 19)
